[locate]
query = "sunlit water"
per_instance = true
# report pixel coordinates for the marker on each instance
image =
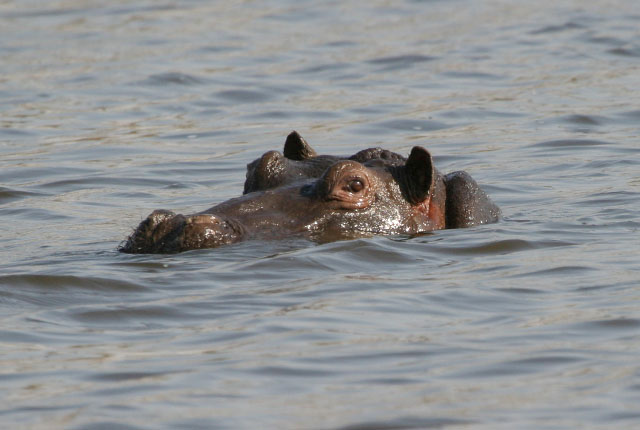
(112, 109)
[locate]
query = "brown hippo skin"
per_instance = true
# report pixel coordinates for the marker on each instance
(348, 200)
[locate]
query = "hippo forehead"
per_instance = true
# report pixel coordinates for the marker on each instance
(388, 157)
(274, 169)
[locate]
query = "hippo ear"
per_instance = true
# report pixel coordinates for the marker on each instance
(419, 175)
(296, 148)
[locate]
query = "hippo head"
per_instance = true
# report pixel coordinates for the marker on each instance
(349, 199)
(299, 161)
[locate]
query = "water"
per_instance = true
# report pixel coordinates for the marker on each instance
(112, 109)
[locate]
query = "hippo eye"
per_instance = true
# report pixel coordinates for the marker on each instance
(355, 186)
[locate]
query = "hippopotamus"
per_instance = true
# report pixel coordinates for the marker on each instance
(383, 195)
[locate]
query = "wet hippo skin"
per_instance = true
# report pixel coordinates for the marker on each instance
(380, 194)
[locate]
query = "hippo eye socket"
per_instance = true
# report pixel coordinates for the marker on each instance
(355, 186)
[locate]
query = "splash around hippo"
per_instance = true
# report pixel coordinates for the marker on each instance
(325, 198)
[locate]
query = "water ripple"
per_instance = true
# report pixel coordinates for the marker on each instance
(404, 125)
(400, 61)
(614, 325)
(570, 144)
(570, 25)
(527, 366)
(27, 286)
(506, 246)
(407, 423)
(173, 78)
(127, 376)
(626, 52)
(8, 195)
(123, 315)
(245, 96)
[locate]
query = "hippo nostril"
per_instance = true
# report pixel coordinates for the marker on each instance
(150, 235)
(157, 217)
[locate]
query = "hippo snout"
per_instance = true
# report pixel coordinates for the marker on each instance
(209, 231)
(165, 232)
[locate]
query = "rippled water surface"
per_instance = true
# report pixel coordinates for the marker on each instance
(109, 110)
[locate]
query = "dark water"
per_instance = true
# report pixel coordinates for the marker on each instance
(112, 109)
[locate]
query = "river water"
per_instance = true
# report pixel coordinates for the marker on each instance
(110, 110)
